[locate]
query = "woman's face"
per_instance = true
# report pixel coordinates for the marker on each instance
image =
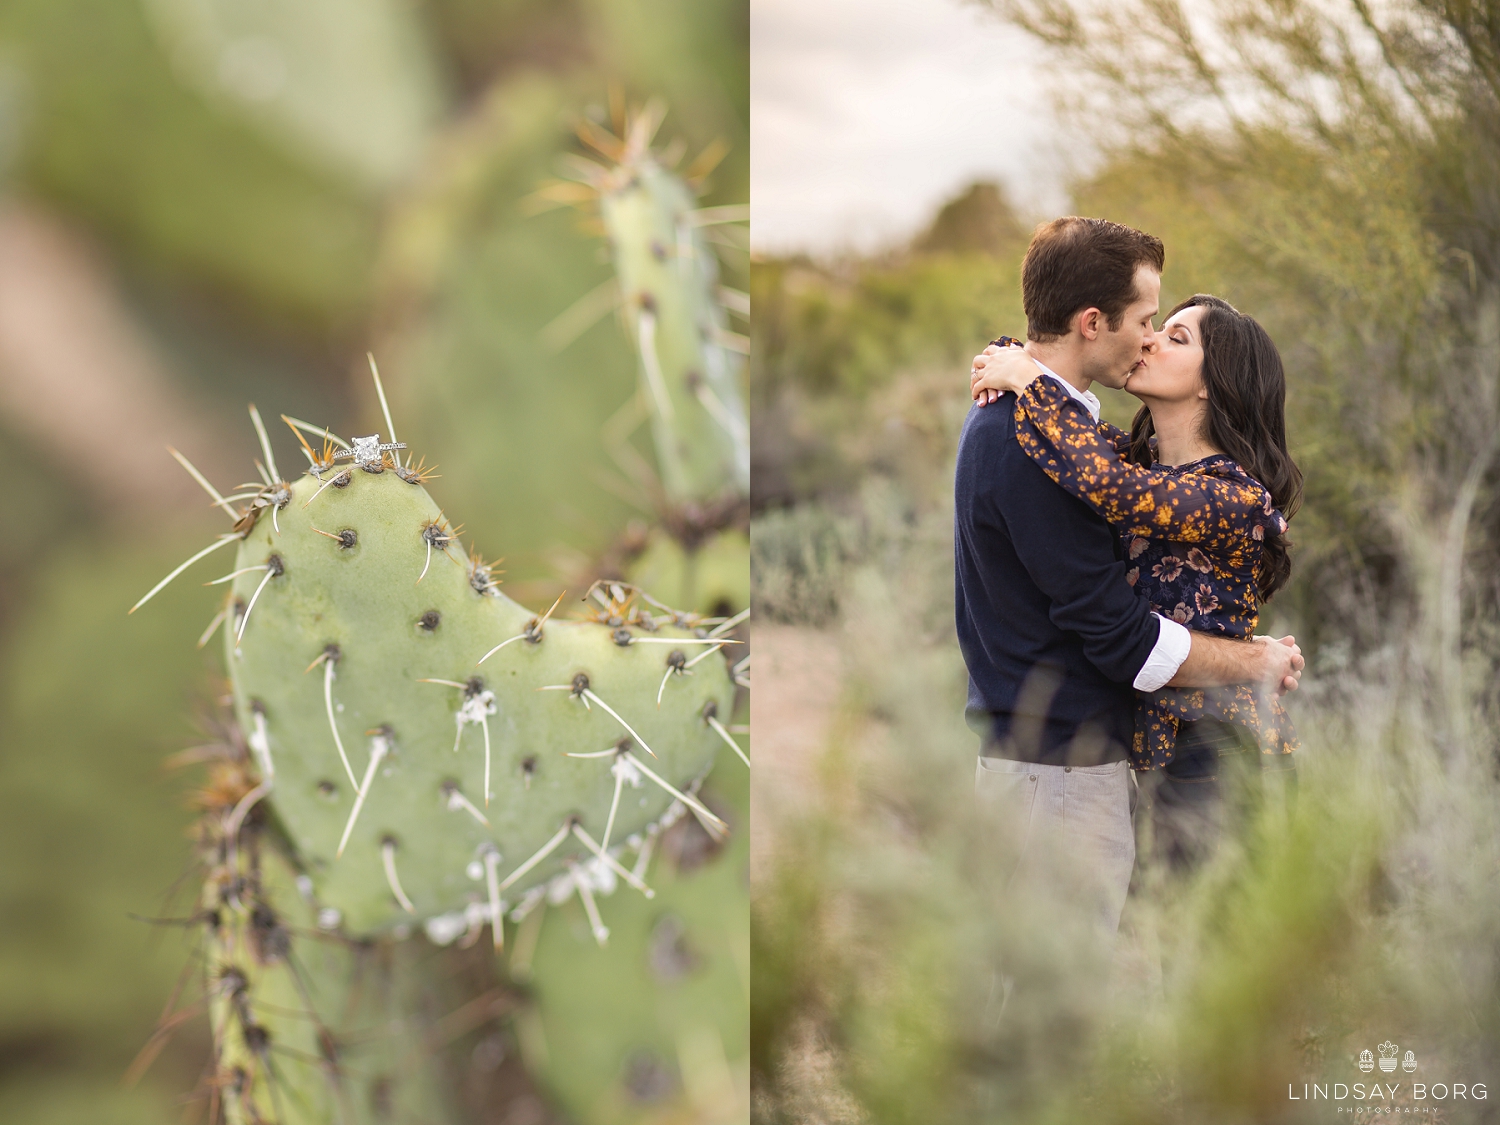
(1172, 369)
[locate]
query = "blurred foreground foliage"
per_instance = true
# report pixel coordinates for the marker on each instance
(878, 932)
(1330, 168)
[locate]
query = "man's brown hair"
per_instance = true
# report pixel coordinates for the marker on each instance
(1074, 264)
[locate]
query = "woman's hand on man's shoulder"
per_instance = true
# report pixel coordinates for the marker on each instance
(998, 370)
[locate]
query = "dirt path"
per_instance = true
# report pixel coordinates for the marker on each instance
(797, 682)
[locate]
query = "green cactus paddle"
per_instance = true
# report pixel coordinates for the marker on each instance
(434, 751)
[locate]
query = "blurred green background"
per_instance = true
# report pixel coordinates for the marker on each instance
(209, 202)
(1331, 169)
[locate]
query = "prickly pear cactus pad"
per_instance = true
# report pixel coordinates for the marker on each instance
(668, 278)
(436, 753)
(675, 311)
(413, 778)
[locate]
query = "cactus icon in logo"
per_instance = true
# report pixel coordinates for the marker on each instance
(1388, 1056)
(1409, 1063)
(1366, 1061)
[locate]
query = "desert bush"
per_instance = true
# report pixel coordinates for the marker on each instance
(1362, 914)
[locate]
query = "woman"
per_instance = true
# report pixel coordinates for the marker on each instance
(1200, 492)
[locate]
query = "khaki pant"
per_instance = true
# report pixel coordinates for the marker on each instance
(1070, 828)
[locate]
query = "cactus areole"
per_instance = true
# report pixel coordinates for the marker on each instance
(436, 753)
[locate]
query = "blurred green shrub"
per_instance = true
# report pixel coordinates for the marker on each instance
(93, 703)
(978, 220)
(848, 328)
(797, 561)
(349, 86)
(831, 343)
(183, 188)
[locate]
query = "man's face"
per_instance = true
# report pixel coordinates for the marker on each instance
(1111, 355)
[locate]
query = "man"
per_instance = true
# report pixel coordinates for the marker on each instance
(1056, 641)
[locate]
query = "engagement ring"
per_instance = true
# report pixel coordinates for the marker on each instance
(367, 450)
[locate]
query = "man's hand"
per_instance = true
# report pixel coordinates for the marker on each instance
(1284, 663)
(1274, 663)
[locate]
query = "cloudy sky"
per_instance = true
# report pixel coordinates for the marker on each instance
(866, 115)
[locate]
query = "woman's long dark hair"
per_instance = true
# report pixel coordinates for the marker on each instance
(1246, 417)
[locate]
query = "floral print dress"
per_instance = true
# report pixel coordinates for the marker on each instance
(1193, 536)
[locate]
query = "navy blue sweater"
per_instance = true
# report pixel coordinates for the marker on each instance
(1052, 633)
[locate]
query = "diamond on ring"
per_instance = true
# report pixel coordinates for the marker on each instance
(367, 450)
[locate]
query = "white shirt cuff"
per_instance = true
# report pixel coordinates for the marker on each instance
(1173, 644)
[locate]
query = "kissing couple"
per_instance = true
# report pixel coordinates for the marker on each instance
(1109, 584)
